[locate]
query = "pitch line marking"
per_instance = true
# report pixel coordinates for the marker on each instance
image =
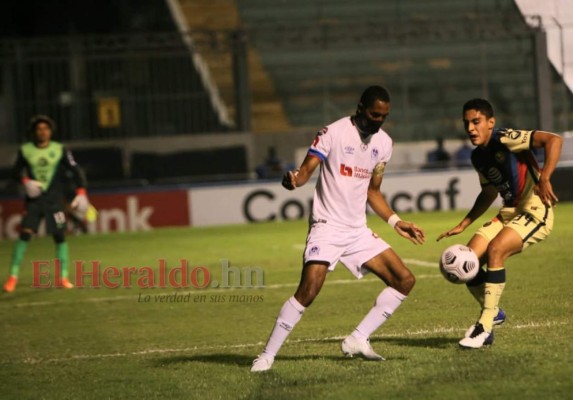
(407, 333)
(194, 291)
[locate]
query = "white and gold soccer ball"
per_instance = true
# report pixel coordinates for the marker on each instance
(459, 264)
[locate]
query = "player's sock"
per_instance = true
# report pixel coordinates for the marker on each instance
(386, 303)
(494, 286)
(477, 286)
(17, 257)
(63, 254)
(288, 317)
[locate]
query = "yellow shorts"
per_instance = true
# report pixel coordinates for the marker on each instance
(533, 224)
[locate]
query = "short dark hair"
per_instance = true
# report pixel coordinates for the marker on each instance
(37, 119)
(373, 93)
(480, 105)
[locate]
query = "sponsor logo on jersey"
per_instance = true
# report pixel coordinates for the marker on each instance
(345, 170)
(494, 176)
(357, 172)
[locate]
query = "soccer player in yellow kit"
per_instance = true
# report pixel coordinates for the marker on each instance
(505, 163)
(40, 167)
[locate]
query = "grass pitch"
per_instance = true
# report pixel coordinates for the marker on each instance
(107, 343)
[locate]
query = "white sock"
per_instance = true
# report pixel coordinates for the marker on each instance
(288, 317)
(386, 303)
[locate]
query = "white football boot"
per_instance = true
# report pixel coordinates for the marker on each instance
(262, 363)
(361, 347)
(477, 338)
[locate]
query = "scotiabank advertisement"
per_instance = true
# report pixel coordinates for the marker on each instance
(117, 212)
(251, 202)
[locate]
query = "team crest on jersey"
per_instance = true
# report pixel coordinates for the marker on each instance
(499, 157)
(314, 251)
(364, 146)
(349, 150)
(374, 154)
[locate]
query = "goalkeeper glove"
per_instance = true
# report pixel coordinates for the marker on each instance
(80, 203)
(33, 188)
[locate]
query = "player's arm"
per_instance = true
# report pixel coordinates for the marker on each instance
(551, 144)
(483, 201)
(80, 201)
(298, 177)
(19, 169)
(378, 203)
(71, 165)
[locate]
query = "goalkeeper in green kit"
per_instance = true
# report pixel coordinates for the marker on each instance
(41, 167)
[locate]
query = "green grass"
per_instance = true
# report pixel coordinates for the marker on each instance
(103, 343)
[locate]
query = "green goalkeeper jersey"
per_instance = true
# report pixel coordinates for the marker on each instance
(52, 166)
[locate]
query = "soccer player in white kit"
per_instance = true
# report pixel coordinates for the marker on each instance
(352, 153)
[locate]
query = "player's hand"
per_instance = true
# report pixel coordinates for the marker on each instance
(33, 188)
(80, 203)
(544, 190)
(410, 231)
(289, 180)
(452, 232)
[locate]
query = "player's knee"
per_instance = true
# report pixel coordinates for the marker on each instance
(496, 251)
(306, 295)
(26, 235)
(409, 282)
(59, 237)
(405, 284)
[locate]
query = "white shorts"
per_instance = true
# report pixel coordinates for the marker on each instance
(352, 247)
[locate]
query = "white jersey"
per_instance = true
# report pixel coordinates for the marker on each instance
(347, 164)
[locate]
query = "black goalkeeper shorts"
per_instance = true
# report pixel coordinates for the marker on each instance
(43, 208)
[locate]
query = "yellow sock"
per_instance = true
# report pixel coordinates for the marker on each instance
(494, 286)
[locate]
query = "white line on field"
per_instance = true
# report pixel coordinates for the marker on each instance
(182, 292)
(420, 263)
(407, 333)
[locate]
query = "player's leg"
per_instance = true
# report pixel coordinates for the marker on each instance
(507, 243)
(400, 281)
(479, 244)
(311, 281)
(476, 286)
(56, 226)
(28, 226)
(63, 255)
(17, 256)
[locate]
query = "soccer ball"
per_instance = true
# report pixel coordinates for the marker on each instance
(459, 264)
